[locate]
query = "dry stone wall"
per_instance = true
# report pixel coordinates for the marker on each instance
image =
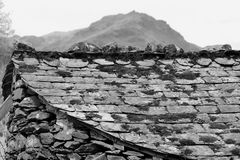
(40, 131)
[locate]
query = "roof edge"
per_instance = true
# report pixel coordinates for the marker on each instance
(167, 52)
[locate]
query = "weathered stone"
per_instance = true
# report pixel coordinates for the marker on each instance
(112, 157)
(80, 135)
(225, 61)
(170, 48)
(61, 156)
(46, 138)
(133, 153)
(33, 142)
(122, 62)
(52, 63)
(219, 73)
(234, 137)
(29, 128)
(116, 127)
(79, 115)
(57, 144)
(61, 150)
(19, 113)
(105, 145)
(25, 156)
(103, 62)
(199, 150)
(16, 143)
(74, 63)
(229, 108)
(146, 63)
(63, 135)
(212, 79)
(116, 152)
(207, 109)
(133, 158)
(204, 61)
(89, 148)
(137, 100)
(39, 115)
(74, 156)
(97, 136)
(30, 61)
(181, 109)
(72, 144)
(64, 107)
(223, 118)
(98, 156)
(18, 94)
(184, 62)
(120, 147)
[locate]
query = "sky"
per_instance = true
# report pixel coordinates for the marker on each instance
(202, 22)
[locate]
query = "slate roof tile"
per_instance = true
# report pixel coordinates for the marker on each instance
(185, 106)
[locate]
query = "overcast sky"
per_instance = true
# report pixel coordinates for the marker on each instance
(203, 22)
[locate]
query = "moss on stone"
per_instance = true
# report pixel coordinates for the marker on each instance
(92, 90)
(215, 147)
(213, 118)
(208, 139)
(143, 108)
(187, 75)
(75, 102)
(187, 142)
(116, 117)
(236, 151)
(218, 126)
(125, 127)
(135, 117)
(177, 116)
(235, 130)
(160, 130)
(64, 73)
(149, 92)
(187, 152)
(89, 116)
(114, 83)
(229, 90)
(230, 141)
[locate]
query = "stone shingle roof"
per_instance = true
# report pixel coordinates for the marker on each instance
(187, 105)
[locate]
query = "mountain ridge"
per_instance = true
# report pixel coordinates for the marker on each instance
(134, 28)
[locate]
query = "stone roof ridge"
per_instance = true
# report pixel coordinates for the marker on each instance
(82, 49)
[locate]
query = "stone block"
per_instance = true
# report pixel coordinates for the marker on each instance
(33, 142)
(146, 63)
(181, 109)
(204, 61)
(46, 138)
(200, 150)
(103, 62)
(229, 108)
(113, 157)
(18, 94)
(225, 61)
(207, 109)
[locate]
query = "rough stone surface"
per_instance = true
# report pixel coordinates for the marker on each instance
(159, 102)
(204, 61)
(225, 61)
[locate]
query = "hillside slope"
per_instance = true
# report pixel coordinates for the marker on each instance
(136, 29)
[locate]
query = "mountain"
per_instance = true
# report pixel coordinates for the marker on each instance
(135, 29)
